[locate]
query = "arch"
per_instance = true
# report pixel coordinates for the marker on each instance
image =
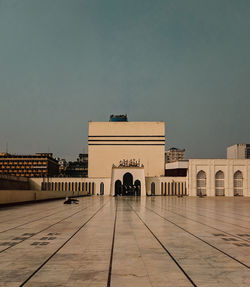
(238, 183)
(62, 186)
(101, 188)
(165, 188)
(43, 186)
(52, 186)
(169, 189)
(93, 188)
(75, 186)
(118, 187)
(83, 186)
(219, 183)
(137, 187)
(201, 181)
(162, 192)
(66, 186)
(86, 187)
(128, 179)
(89, 188)
(55, 186)
(152, 188)
(59, 186)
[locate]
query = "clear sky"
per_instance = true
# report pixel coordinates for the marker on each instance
(65, 62)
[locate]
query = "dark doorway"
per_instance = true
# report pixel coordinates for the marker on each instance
(137, 187)
(118, 187)
(102, 188)
(128, 188)
(152, 188)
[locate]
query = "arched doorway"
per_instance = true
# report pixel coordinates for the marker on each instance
(101, 188)
(137, 187)
(118, 187)
(128, 187)
(238, 183)
(152, 188)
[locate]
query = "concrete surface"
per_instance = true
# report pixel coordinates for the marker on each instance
(107, 241)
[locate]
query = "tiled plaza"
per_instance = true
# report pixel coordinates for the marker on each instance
(107, 241)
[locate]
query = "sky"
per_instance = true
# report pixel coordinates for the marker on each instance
(66, 62)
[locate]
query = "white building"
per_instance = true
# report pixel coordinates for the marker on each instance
(238, 151)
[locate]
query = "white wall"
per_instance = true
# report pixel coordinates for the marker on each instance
(211, 167)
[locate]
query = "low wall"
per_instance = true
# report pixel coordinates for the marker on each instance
(14, 183)
(18, 196)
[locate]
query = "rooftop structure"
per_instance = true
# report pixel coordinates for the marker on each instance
(238, 151)
(174, 154)
(118, 118)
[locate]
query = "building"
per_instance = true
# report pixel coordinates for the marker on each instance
(128, 158)
(238, 151)
(78, 168)
(38, 165)
(174, 154)
(219, 177)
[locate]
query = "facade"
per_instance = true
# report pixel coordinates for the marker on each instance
(238, 151)
(219, 177)
(111, 142)
(174, 154)
(38, 165)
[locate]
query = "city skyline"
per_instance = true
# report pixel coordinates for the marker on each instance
(64, 63)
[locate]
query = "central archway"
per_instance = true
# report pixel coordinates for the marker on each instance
(128, 187)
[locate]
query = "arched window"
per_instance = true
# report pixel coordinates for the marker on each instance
(201, 183)
(219, 183)
(152, 188)
(238, 183)
(101, 188)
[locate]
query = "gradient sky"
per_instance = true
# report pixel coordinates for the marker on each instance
(63, 63)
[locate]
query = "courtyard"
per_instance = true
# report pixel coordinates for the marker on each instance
(127, 241)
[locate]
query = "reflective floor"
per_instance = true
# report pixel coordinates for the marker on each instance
(107, 241)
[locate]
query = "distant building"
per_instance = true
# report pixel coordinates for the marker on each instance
(38, 165)
(174, 154)
(78, 168)
(238, 151)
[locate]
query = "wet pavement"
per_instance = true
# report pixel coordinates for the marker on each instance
(107, 241)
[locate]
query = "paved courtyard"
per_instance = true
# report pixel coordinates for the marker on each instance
(106, 241)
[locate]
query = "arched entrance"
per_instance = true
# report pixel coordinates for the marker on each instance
(102, 188)
(137, 187)
(152, 188)
(118, 187)
(128, 187)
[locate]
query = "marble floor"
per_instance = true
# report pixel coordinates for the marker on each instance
(135, 242)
